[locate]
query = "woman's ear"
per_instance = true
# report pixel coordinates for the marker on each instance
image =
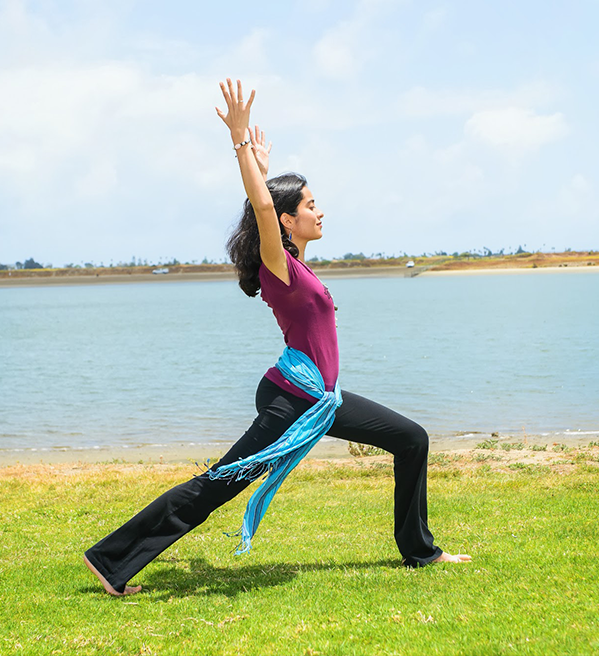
(286, 220)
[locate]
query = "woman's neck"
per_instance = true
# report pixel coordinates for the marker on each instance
(301, 247)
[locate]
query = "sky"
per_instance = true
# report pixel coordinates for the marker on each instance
(421, 126)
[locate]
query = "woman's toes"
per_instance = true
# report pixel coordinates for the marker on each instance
(449, 558)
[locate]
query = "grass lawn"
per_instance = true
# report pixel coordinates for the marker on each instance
(324, 576)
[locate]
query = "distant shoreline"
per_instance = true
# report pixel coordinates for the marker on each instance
(215, 276)
(509, 270)
(112, 279)
(354, 266)
(326, 449)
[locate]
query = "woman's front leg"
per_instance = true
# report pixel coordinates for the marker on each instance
(364, 421)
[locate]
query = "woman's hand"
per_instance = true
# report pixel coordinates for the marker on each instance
(238, 112)
(261, 151)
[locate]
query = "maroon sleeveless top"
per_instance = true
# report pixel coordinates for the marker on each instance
(305, 312)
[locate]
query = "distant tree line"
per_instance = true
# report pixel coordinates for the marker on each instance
(484, 252)
(173, 261)
(28, 264)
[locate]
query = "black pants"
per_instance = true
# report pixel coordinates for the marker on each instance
(123, 553)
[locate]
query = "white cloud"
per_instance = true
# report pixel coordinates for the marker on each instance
(336, 54)
(343, 50)
(437, 182)
(57, 107)
(421, 102)
(245, 57)
(170, 51)
(515, 130)
(17, 25)
(87, 118)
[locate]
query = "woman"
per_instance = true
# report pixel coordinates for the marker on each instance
(297, 400)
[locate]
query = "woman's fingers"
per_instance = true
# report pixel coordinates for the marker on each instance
(258, 137)
(231, 91)
(225, 93)
(233, 98)
(227, 98)
(221, 114)
(251, 100)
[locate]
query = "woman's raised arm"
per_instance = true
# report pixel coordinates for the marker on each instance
(237, 120)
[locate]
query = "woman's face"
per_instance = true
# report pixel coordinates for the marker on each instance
(307, 223)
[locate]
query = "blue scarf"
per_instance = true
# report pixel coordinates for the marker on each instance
(278, 459)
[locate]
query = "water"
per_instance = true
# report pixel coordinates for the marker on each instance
(85, 366)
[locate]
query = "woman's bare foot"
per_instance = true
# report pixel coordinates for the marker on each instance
(128, 589)
(448, 558)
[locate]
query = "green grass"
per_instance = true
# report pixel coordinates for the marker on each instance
(488, 444)
(512, 446)
(324, 576)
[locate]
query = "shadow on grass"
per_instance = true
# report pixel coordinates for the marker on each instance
(202, 578)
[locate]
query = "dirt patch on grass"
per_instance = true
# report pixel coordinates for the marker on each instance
(505, 457)
(84, 469)
(513, 460)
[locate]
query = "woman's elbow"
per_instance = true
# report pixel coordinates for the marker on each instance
(262, 207)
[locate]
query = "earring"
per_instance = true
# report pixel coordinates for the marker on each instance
(290, 235)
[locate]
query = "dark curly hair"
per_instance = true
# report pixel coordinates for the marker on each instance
(243, 246)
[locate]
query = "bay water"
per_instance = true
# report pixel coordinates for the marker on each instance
(86, 366)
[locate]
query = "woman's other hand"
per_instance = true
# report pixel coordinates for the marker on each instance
(261, 150)
(237, 118)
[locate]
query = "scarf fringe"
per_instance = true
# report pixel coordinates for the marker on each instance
(250, 472)
(244, 545)
(277, 460)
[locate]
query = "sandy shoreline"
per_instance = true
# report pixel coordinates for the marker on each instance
(498, 456)
(327, 449)
(512, 270)
(215, 276)
(160, 453)
(117, 279)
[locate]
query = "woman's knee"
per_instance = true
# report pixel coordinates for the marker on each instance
(417, 437)
(408, 441)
